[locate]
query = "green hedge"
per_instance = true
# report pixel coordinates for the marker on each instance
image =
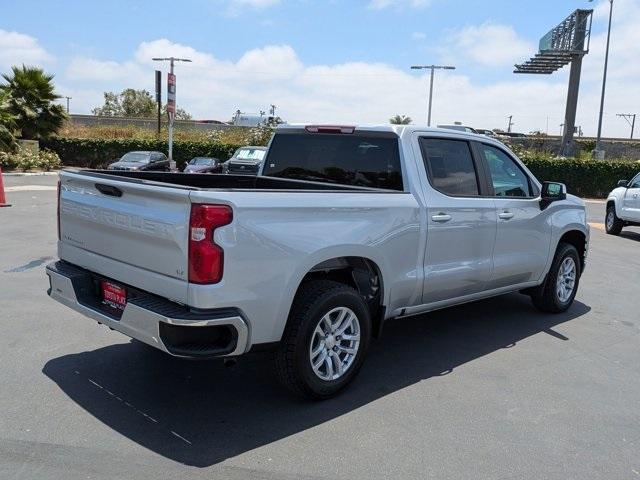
(98, 153)
(585, 178)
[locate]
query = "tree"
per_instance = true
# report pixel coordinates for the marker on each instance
(7, 124)
(131, 103)
(400, 120)
(181, 114)
(30, 99)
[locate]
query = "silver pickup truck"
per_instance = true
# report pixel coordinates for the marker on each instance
(345, 228)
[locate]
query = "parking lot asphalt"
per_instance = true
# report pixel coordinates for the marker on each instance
(488, 390)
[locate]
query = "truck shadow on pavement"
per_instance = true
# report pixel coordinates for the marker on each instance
(631, 235)
(201, 413)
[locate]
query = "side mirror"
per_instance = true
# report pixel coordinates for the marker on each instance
(552, 192)
(623, 183)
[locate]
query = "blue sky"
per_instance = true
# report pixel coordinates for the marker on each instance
(320, 31)
(323, 60)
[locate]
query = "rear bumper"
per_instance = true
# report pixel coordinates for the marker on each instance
(168, 326)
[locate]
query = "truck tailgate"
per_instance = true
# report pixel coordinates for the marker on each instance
(126, 230)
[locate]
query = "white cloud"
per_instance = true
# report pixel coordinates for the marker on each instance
(382, 4)
(18, 48)
(353, 92)
(491, 44)
(418, 35)
(90, 70)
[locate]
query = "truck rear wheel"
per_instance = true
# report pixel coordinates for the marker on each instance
(559, 289)
(325, 341)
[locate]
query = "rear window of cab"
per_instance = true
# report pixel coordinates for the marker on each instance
(359, 159)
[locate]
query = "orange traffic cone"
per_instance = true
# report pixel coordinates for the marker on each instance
(3, 200)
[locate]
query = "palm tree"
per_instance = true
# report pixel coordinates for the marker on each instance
(400, 120)
(31, 102)
(7, 124)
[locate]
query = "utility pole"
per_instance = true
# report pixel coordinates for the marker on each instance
(159, 99)
(598, 152)
(273, 110)
(432, 68)
(630, 118)
(510, 124)
(171, 100)
(547, 130)
(68, 98)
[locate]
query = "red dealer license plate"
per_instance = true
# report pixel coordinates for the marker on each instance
(113, 295)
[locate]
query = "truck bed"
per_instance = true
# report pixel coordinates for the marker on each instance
(207, 181)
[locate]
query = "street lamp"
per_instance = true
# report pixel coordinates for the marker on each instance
(171, 100)
(432, 68)
(598, 152)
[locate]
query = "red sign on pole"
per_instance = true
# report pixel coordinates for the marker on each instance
(171, 94)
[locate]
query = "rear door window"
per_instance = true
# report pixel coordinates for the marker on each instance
(450, 166)
(359, 159)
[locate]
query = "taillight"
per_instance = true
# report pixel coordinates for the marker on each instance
(206, 259)
(58, 210)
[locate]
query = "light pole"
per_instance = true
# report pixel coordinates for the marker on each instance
(432, 68)
(68, 98)
(598, 152)
(171, 100)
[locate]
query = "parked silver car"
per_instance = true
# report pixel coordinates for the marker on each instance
(142, 161)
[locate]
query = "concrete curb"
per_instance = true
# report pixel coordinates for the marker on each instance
(29, 174)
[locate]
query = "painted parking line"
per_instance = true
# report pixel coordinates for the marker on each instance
(594, 201)
(599, 226)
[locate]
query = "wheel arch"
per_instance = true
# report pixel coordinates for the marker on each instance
(360, 272)
(579, 240)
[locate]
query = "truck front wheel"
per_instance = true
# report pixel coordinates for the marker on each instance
(559, 289)
(612, 224)
(325, 341)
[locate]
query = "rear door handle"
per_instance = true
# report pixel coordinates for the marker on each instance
(505, 215)
(441, 217)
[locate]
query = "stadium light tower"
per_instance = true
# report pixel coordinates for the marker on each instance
(566, 43)
(432, 68)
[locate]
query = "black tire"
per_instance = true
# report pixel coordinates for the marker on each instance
(545, 297)
(293, 365)
(612, 224)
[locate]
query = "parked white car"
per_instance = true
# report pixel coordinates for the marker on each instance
(623, 206)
